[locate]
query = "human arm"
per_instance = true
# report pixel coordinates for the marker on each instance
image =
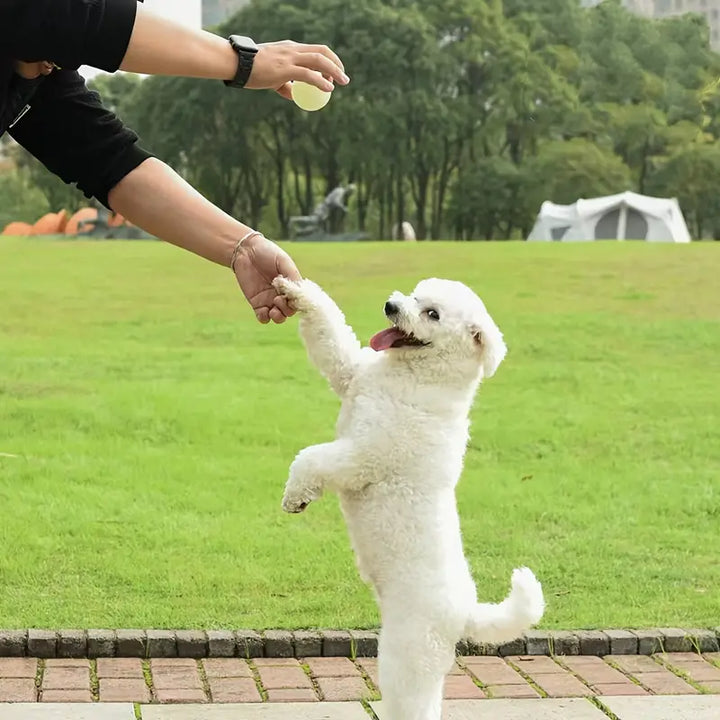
(75, 137)
(121, 34)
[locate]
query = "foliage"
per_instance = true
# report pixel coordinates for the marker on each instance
(441, 94)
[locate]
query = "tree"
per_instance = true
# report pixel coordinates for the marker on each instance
(563, 172)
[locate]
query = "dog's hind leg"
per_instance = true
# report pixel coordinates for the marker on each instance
(412, 673)
(331, 343)
(502, 622)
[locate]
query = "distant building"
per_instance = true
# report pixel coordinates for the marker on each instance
(668, 8)
(215, 12)
(709, 8)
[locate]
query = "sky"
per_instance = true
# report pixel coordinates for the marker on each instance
(188, 12)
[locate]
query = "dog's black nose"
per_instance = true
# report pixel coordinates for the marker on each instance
(391, 308)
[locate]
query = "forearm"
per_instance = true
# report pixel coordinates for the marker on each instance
(155, 198)
(162, 47)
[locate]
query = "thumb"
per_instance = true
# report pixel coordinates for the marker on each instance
(287, 268)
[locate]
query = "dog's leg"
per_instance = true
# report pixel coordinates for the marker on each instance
(505, 621)
(412, 668)
(330, 342)
(331, 465)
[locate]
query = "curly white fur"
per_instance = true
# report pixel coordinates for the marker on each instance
(398, 455)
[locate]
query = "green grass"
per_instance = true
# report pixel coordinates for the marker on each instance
(155, 420)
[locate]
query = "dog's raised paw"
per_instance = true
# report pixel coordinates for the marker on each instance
(302, 294)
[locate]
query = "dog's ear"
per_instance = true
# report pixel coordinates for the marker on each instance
(490, 344)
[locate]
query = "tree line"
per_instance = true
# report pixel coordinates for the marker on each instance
(462, 116)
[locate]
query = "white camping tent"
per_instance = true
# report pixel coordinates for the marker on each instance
(627, 216)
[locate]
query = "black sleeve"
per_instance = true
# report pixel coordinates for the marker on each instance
(69, 33)
(74, 136)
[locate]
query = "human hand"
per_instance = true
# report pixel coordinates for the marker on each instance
(33, 70)
(277, 64)
(259, 262)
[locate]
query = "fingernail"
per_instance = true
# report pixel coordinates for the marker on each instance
(345, 78)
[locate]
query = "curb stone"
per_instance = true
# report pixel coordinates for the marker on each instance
(152, 643)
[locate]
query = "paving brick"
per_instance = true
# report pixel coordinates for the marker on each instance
(511, 691)
(249, 644)
(101, 643)
(114, 689)
(705, 640)
(713, 657)
(493, 671)
(307, 643)
(365, 643)
(283, 677)
(456, 670)
(696, 667)
(514, 647)
(461, 687)
(176, 679)
(664, 683)
(278, 643)
(622, 642)
(564, 685)
(343, 689)
(67, 663)
(332, 667)
(16, 667)
(131, 644)
(712, 686)
(41, 643)
(221, 644)
(227, 668)
(71, 644)
(161, 644)
(162, 664)
(537, 642)
(180, 695)
(594, 671)
(565, 643)
(13, 643)
(676, 640)
(650, 641)
(632, 664)
(125, 668)
(370, 667)
(531, 664)
(191, 644)
(593, 642)
(276, 662)
(66, 696)
(292, 695)
(66, 678)
(14, 690)
(336, 643)
(233, 690)
(613, 689)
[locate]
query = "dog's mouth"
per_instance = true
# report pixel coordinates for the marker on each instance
(394, 337)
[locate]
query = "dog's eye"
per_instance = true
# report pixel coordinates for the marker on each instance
(433, 314)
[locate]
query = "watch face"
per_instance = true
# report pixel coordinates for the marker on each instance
(241, 42)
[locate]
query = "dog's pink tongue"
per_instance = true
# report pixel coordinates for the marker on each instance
(385, 338)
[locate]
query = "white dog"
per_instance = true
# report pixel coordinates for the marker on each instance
(401, 438)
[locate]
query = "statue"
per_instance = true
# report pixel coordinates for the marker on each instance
(326, 218)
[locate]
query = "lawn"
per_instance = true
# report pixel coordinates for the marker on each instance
(153, 422)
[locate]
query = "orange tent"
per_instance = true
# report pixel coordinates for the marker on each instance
(18, 228)
(51, 224)
(83, 214)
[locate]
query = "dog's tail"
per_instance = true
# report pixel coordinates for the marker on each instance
(505, 621)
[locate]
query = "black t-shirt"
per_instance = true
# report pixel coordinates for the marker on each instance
(56, 118)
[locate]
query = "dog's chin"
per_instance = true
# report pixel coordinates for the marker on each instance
(395, 338)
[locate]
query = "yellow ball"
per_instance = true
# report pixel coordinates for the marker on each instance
(308, 97)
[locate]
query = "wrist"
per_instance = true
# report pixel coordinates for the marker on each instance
(243, 244)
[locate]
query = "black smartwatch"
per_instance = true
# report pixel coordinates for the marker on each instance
(246, 50)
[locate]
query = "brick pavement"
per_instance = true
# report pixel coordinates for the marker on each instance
(330, 679)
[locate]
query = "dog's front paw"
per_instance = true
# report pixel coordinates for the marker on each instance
(295, 501)
(303, 295)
